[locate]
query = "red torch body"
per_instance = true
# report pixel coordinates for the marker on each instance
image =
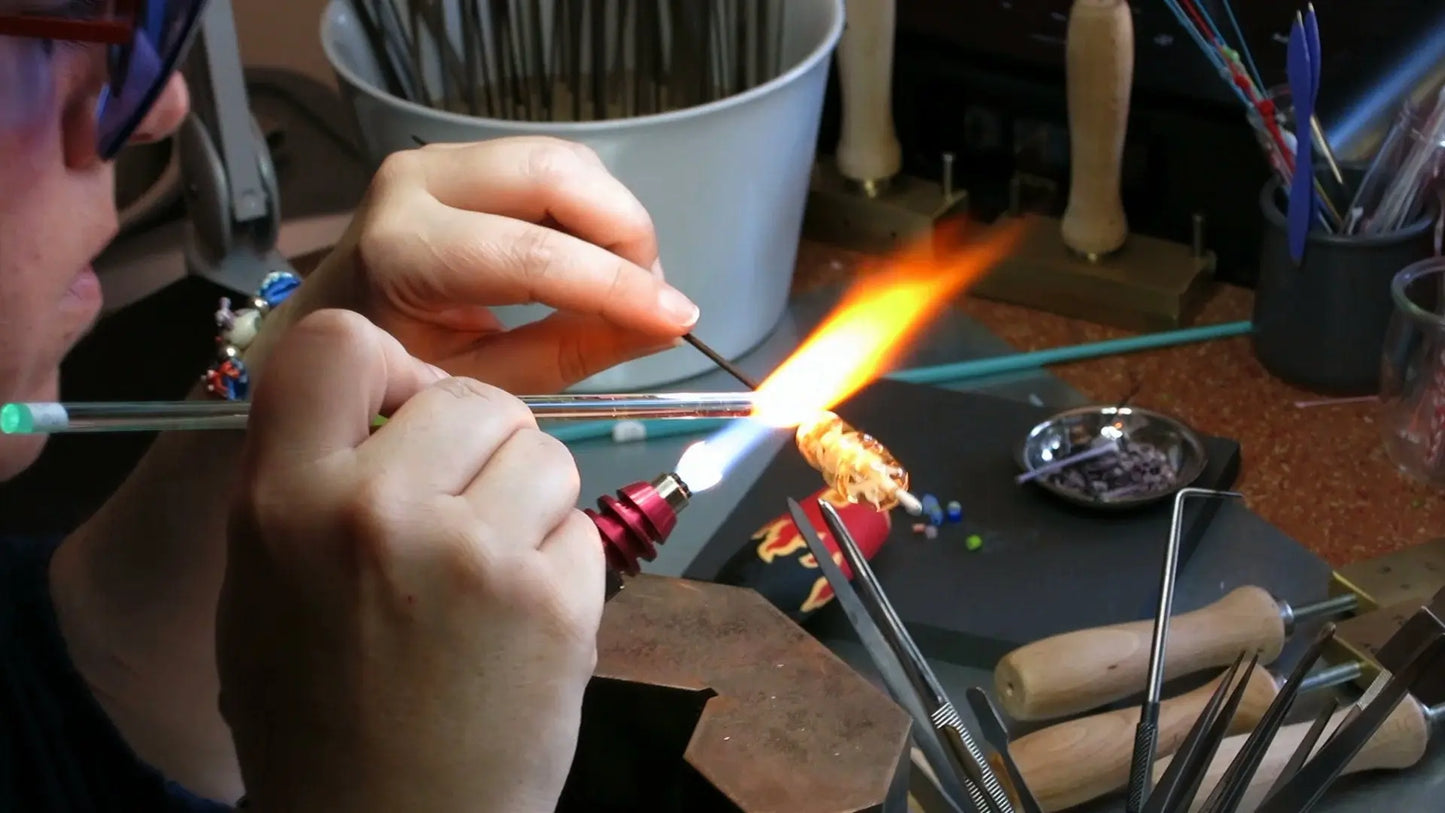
(635, 521)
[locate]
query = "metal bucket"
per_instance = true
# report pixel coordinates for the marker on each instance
(726, 180)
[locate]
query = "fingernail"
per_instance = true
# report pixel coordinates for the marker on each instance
(677, 307)
(439, 372)
(657, 268)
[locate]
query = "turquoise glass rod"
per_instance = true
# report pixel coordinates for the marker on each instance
(948, 374)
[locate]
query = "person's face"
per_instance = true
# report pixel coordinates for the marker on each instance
(57, 210)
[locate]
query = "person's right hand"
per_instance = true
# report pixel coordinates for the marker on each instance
(409, 615)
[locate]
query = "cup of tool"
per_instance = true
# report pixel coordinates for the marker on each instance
(725, 174)
(1320, 325)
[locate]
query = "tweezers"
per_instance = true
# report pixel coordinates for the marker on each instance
(1303, 791)
(940, 733)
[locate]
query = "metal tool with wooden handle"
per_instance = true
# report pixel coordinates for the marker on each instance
(1400, 743)
(1072, 762)
(1099, 68)
(868, 151)
(1077, 671)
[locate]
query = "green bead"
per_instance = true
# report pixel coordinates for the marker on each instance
(974, 542)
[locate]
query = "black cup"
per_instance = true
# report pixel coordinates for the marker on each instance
(1320, 325)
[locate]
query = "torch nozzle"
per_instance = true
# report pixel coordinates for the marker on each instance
(635, 521)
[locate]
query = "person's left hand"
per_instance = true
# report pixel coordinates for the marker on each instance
(448, 231)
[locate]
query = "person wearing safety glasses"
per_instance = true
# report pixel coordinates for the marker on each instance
(311, 615)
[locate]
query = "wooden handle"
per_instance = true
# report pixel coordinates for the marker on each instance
(1077, 671)
(868, 151)
(1099, 67)
(1073, 762)
(1399, 744)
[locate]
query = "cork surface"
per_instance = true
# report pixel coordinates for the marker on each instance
(1319, 474)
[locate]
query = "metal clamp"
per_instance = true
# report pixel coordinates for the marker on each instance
(231, 192)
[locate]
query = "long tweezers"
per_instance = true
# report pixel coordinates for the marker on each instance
(889, 669)
(996, 735)
(1302, 792)
(1188, 754)
(966, 756)
(1209, 745)
(1306, 746)
(1230, 790)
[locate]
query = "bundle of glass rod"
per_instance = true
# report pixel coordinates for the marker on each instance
(1405, 174)
(1270, 121)
(572, 60)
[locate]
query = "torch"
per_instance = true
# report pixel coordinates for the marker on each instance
(634, 522)
(640, 517)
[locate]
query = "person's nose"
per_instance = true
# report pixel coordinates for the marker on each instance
(166, 114)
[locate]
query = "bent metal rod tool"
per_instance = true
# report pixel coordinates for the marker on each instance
(1147, 734)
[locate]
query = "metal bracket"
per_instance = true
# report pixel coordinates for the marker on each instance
(231, 191)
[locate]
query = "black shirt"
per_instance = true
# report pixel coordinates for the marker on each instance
(59, 753)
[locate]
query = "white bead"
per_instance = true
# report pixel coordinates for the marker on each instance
(243, 329)
(629, 431)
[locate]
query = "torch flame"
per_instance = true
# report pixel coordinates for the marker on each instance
(861, 338)
(873, 324)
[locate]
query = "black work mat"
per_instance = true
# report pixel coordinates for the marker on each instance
(1045, 566)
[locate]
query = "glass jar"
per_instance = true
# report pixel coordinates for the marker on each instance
(1412, 379)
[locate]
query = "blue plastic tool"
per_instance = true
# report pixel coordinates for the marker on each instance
(1312, 39)
(1300, 66)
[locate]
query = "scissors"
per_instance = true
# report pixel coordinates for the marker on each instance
(1302, 66)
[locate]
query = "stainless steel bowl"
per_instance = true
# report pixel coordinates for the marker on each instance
(1076, 430)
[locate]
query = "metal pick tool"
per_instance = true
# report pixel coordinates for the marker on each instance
(1230, 791)
(1146, 736)
(965, 753)
(958, 786)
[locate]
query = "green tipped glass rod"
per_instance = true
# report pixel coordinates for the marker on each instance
(48, 418)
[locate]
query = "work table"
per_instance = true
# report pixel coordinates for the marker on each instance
(1344, 502)
(1341, 500)
(1319, 474)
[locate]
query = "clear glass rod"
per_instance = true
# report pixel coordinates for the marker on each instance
(49, 417)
